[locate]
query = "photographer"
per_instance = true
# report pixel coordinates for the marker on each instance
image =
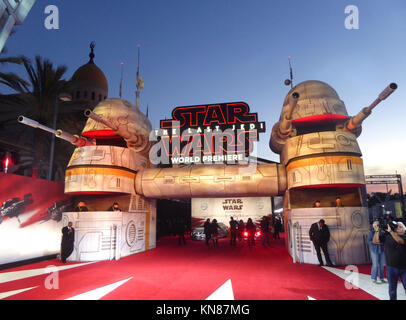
(393, 240)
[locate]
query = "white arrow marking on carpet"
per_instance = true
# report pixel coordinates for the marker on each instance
(310, 298)
(12, 293)
(18, 275)
(379, 291)
(225, 292)
(99, 293)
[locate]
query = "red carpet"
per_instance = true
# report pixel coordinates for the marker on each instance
(173, 272)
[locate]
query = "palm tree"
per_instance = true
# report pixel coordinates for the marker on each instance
(37, 97)
(10, 79)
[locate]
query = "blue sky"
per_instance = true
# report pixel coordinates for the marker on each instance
(196, 52)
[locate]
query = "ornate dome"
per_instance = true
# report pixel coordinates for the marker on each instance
(89, 82)
(90, 72)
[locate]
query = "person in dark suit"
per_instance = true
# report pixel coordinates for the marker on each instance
(207, 231)
(251, 229)
(115, 207)
(68, 240)
(265, 230)
(180, 230)
(277, 226)
(214, 227)
(320, 236)
(241, 228)
(233, 231)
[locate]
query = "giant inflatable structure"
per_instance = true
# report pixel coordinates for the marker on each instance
(319, 160)
(113, 147)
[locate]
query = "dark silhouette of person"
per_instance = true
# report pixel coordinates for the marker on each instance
(68, 240)
(265, 230)
(233, 231)
(81, 207)
(320, 236)
(241, 228)
(115, 207)
(214, 227)
(251, 229)
(170, 228)
(180, 230)
(207, 231)
(277, 227)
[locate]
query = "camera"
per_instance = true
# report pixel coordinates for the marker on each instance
(385, 220)
(393, 225)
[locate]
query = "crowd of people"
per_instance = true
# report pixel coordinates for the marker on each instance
(238, 230)
(387, 246)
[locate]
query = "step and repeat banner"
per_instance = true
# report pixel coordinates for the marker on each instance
(222, 209)
(30, 217)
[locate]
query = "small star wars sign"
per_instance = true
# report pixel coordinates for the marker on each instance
(232, 204)
(221, 132)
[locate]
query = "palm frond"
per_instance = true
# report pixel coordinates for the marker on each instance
(14, 60)
(14, 82)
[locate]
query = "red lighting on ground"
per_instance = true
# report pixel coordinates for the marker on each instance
(245, 234)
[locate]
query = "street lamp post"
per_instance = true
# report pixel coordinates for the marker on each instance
(61, 97)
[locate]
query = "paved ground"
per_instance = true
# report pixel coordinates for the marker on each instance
(192, 272)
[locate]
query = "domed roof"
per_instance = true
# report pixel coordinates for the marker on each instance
(90, 72)
(312, 89)
(318, 102)
(121, 119)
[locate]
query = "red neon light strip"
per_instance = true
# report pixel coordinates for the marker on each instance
(101, 134)
(336, 185)
(320, 118)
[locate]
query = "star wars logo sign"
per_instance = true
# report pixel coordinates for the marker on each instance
(216, 133)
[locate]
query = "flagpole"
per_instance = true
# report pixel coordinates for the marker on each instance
(291, 73)
(137, 93)
(121, 80)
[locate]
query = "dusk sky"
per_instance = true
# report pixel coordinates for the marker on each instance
(202, 52)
